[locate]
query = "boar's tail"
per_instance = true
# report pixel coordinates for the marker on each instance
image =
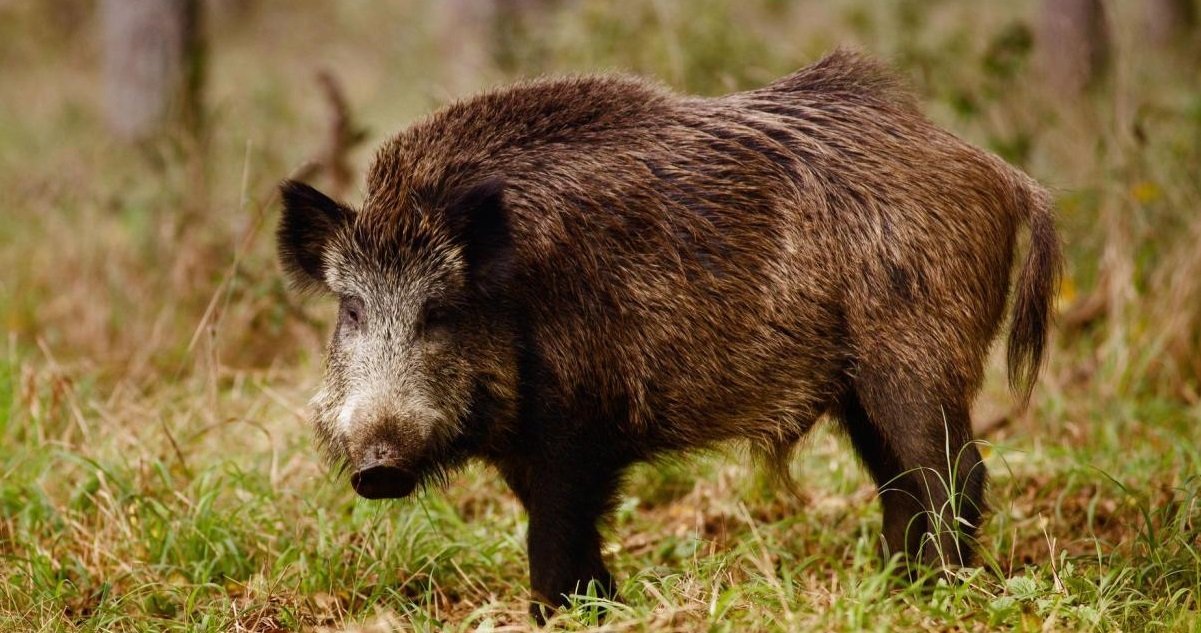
(1036, 288)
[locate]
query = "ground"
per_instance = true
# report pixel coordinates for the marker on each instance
(157, 472)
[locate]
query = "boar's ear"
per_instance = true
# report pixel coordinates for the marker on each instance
(309, 220)
(478, 217)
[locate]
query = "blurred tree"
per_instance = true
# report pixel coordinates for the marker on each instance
(1073, 43)
(1169, 21)
(153, 66)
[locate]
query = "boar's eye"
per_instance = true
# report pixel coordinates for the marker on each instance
(437, 320)
(351, 313)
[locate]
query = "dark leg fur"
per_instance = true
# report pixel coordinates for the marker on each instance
(566, 498)
(913, 453)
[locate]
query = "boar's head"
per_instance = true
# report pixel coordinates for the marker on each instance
(420, 363)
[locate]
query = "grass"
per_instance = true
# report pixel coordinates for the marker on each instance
(156, 472)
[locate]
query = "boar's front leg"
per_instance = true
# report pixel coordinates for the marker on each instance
(566, 496)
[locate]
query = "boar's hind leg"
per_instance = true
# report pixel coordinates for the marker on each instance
(922, 456)
(566, 499)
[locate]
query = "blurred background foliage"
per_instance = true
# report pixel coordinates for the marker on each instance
(152, 257)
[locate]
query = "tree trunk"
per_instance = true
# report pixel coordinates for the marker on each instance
(1073, 43)
(1169, 21)
(153, 66)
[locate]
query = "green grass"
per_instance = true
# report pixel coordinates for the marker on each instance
(156, 472)
(1095, 534)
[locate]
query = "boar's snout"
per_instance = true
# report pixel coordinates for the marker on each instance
(381, 475)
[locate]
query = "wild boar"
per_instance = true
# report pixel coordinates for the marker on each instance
(567, 276)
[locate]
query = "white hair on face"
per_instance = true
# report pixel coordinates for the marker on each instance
(419, 414)
(346, 413)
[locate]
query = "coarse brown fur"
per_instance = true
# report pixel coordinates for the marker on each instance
(637, 272)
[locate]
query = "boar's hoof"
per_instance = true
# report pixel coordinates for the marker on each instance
(542, 608)
(383, 480)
